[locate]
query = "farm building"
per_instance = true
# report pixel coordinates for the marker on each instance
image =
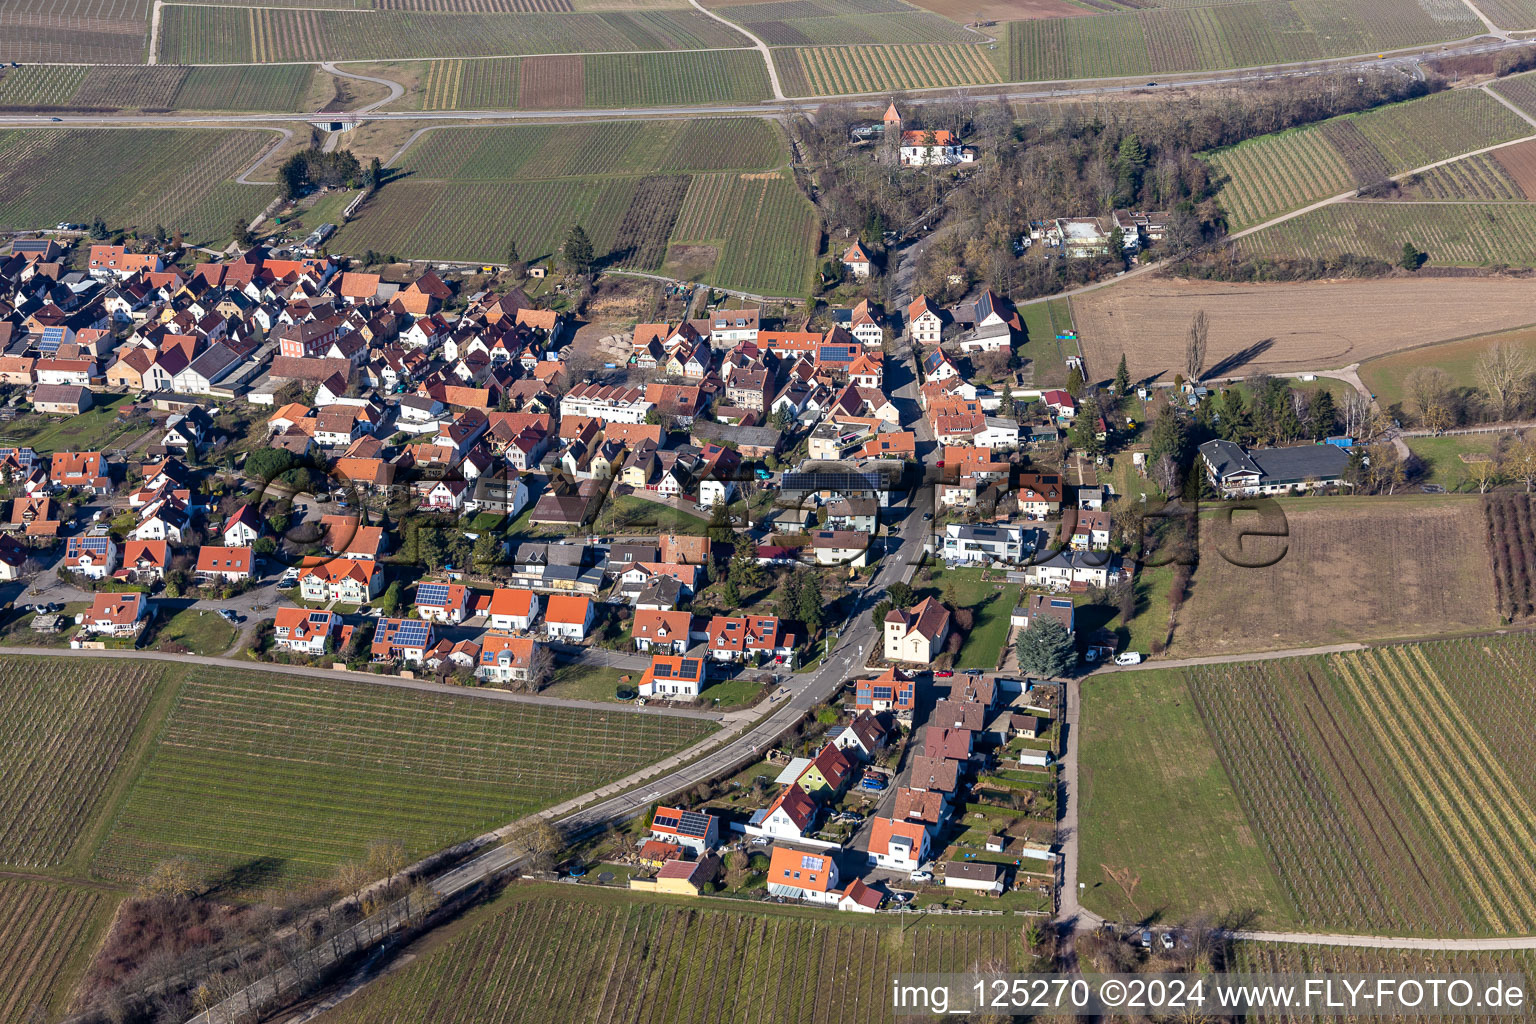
(1235, 472)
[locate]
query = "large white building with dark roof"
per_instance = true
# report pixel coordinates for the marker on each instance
(1237, 473)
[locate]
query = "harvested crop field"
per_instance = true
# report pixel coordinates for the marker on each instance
(1350, 569)
(1311, 325)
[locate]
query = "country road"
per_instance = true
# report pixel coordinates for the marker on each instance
(1405, 60)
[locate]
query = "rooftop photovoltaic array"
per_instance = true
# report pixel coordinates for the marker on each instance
(432, 593)
(664, 820)
(694, 824)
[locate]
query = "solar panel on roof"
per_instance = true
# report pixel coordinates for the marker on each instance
(53, 337)
(810, 860)
(694, 824)
(665, 820)
(432, 593)
(691, 666)
(411, 632)
(663, 670)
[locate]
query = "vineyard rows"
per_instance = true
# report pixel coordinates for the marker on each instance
(863, 29)
(765, 230)
(1453, 233)
(222, 35)
(603, 958)
(1476, 177)
(632, 147)
(298, 775)
(67, 729)
(1512, 545)
(640, 242)
(74, 31)
(1519, 90)
(1202, 38)
(43, 930)
(42, 87)
(826, 70)
(1510, 14)
(1366, 825)
(1275, 173)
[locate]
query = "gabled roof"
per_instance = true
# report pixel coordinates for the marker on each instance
(800, 869)
(795, 803)
(567, 609)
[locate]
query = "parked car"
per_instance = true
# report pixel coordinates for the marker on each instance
(946, 674)
(1128, 658)
(229, 616)
(1167, 940)
(1146, 938)
(921, 876)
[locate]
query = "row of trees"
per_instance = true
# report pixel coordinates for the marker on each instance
(1505, 388)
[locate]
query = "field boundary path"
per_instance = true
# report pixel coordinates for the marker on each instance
(762, 47)
(153, 57)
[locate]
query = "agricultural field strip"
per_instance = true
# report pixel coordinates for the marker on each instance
(42, 928)
(226, 35)
(1451, 232)
(68, 732)
(1475, 809)
(1382, 125)
(279, 778)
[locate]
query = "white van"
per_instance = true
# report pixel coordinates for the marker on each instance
(1128, 658)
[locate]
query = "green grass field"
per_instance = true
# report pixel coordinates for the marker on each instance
(992, 603)
(1203, 38)
(234, 35)
(1442, 456)
(274, 780)
(1047, 355)
(196, 632)
(1451, 234)
(638, 189)
(1158, 811)
(1384, 375)
(1302, 763)
(1275, 173)
(97, 427)
(603, 955)
(179, 178)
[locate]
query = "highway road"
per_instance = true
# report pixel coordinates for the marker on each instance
(1406, 61)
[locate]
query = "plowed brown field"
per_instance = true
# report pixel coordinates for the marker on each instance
(1519, 162)
(1287, 328)
(552, 82)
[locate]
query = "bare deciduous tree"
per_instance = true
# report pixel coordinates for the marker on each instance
(1426, 385)
(1484, 473)
(1504, 375)
(1194, 348)
(387, 858)
(173, 878)
(1521, 460)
